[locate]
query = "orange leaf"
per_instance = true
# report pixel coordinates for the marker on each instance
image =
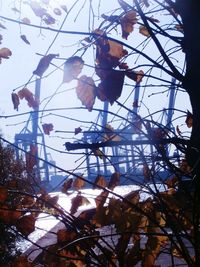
(189, 119)
(86, 91)
(78, 183)
(99, 181)
(127, 22)
(114, 180)
(47, 128)
(101, 199)
(72, 68)
(44, 64)
(15, 100)
(135, 75)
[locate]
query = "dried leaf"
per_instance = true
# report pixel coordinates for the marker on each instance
(26, 224)
(143, 30)
(44, 64)
(110, 134)
(99, 181)
(78, 183)
(135, 75)
(114, 180)
(189, 119)
(65, 235)
(72, 68)
(3, 194)
(37, 9)
(21, 261)
(67, 185)
(48, 19)
(178, 130)
(101, 199)
(5, 53)
(76, 203)
(15, 100)
(124, 5)
(111, 87)
(98, 153)
(77, 130)
(47, 128)
(57, 11)
(146, 172)
(26, 20)
(23, 37)
(31, 159)
(64, 8)
(28, 95)
(86, 91)
(127, 22)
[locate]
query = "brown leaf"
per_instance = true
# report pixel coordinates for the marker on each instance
(23, 37)
(86, 91)
(67, 185)
(77, 130)
(146, 172)
(76, 203)
(135, 75)
(3, 194)
(72, 68)
(99, 181)
(5, 53)
(114, 180)
(28, 95)
(110, 134)
(26, 224)
(15, 100)
(65, 235)
(143, 30)
(111, 87)
(78, 183)
(44, 64)
(101, 199)
(47, 128)
(127, 22)
(178, 130)
(21, 261)
(189, 119)
(26, 20)
(31, 160)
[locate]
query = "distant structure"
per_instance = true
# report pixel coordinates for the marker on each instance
(124, 158)
(31, 139)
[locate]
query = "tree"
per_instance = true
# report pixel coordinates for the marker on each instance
(168, 29)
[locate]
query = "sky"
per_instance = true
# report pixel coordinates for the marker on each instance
(65, 111)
